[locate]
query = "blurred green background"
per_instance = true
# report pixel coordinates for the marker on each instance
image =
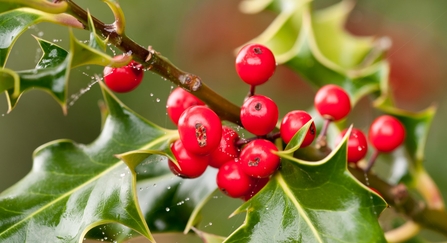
(200, 36)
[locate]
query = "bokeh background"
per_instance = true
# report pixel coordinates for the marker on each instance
(200, 36)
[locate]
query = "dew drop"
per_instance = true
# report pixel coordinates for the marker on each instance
(168, 209)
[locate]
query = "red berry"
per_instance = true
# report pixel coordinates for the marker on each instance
(200, 129)
(357, 145)
(232, 181)
(178, 101)
(123, 79)
(227, 149)
(255, 64)
(190, 165)
(292, 122)
(258, 160)
(332, 102)
(258, 184)
(386, 133)
(259, 115)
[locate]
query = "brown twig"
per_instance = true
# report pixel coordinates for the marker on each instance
(160, 65)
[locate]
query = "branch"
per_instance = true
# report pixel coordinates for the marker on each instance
(396, 196)
(160, 65)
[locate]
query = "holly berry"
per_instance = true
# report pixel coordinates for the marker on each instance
(357, 145)
(189, 165)
(255, 64)
(258, 184)
(232, 181)
(257, 159)
(332, 102)
(386, 133)
(123, 79)
(294, 121)
(178, 101)
(200, 129)
(259, 114)
(227, 149)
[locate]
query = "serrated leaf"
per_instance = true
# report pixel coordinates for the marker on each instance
(8, 79)
(299, 38)
(312, 202)
(14, 23)
(196, 191)
(51, 75)
(74, 187)
(52, 71)
(413, 173)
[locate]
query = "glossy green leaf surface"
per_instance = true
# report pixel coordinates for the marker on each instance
(74, 187)
(312, 202)
(299, 39)
(52, 71)
(51, 75)
(13, 23)
(171, 203)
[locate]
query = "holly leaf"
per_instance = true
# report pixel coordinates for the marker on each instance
(51, 74)
(410, 167)
(190, 194)
(299, 39)
(75, 187)
(15, 22)
(312, 202)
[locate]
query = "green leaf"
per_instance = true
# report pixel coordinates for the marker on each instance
(14, 23)
(312, 202)
(53, 70)
(95, 41)
(8, 79)
(191, 194)
(299, 39)
(87, 55)
(209, 238)
(74, 187)
(413, 173)
(51, 75)
(45, 6)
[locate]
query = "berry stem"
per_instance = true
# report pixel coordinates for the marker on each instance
(371, 161)
(252, 90)
(321, 140)
(156, 63)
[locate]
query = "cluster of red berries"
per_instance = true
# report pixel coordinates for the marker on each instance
(204, 142)
(245, 165)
